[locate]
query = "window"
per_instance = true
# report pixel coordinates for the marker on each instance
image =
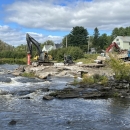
(118, 43)
(117, 39)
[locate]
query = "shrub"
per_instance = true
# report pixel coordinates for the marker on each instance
(31, 74)
(88, 80)
(96, 78)
(120, 68)
(75, 53)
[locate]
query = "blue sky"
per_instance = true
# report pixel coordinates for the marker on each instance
(53, 19)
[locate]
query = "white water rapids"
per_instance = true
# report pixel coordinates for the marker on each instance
(68, 114)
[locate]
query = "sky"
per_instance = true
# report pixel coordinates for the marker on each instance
(54, 19)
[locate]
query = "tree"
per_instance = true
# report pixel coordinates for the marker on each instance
(77, 37)
(48, 42)
(115, 33)
(127, 31)
(120, 32)
(96, 38)
(103, 41)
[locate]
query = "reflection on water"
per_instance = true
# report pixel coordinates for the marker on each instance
(67, 114)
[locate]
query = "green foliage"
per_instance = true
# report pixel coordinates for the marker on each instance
(13, 54)
(31, 74)
(77, 37)
(100, 79)
(75, 53)
(75, 82)
(120, 32)
(87, 80)
(96, 78)
(116, 94)
(48, 42)
(96, 38)
(5, 46)
(88, 58)
(12, 61)
(120, 68)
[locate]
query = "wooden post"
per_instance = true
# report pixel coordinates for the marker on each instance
(66, 41)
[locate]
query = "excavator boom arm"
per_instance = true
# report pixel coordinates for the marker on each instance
(111, 46)
(31, 41)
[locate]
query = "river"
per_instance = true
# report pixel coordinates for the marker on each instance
(66, 114)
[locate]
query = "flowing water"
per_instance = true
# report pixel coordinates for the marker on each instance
(68, 114)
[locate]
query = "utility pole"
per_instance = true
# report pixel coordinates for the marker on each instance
(88, 43)
(66, 41)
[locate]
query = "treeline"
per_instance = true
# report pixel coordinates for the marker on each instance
(4, 46)
(78, 42)
(80, 37)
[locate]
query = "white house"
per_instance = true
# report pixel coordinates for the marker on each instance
(47, 48)
(123, 42)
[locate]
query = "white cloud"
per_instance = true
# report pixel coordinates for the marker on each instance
(62, 15)
(15, 37)
(51, 15)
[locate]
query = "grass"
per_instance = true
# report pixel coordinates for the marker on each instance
(30, 75)
(13, 61)
(88, 58)
(93, 79)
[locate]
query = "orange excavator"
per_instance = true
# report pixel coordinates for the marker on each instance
(113, 47)
(121, 54)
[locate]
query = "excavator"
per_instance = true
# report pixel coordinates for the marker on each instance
(43, 58)
(113, 47)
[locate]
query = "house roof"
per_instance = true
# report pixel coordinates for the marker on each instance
(48, 48)
(58, 45)
(124, 38)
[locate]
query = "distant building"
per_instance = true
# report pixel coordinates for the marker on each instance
(48, 48)
(92, 50)
(123, 42)
(58, 46)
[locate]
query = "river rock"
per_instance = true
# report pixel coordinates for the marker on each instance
(12, 122)
(47, 97)
(43, 75)
(26, 97)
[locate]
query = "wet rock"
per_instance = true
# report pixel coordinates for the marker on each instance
(21, 93)
(16, 73)
(12, 122)
(25, 97)
(21, 68)
(47, 97)
(3, 92)
(43, 75)
(44, 89)
(90, 92)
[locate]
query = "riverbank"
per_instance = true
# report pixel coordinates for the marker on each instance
(112, 89)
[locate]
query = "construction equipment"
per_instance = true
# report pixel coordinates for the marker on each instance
(42, 58)
(68, 60)
(113, 49)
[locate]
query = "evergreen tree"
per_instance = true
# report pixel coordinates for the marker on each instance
(77, 37)
(103, 41)
(127, 31)
(96, 38)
